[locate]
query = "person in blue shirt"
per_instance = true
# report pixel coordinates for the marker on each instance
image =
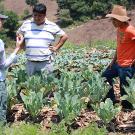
(4, 64)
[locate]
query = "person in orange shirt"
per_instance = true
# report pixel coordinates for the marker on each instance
(122, 65)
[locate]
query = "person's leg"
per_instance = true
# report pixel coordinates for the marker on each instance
(109, 74)
(3, 103)
(30, 68)
(45, 66)
(123, 74)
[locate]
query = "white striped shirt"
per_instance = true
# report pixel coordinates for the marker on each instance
(38, 38)
(4, 63)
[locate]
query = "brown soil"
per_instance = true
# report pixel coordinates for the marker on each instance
(100, 29)
(124, 122)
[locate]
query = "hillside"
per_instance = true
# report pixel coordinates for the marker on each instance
(19, 6)
(101, 29)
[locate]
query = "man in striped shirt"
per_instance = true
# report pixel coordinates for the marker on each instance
(39, 34)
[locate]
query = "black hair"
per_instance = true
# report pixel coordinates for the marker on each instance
(40, 8)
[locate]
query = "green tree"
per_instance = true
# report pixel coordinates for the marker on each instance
(8, 34)
(1, 6)
(80, 10)
(31, 3)
(11, 24)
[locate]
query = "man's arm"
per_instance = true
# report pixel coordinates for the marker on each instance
(59, 44)
(2, 58)
(10, 59)
(113, 60)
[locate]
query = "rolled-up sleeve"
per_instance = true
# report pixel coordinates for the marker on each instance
(131, 33)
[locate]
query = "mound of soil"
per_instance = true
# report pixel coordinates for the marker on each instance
(100, 29)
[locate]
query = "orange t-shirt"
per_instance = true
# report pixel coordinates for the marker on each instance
(126, 46)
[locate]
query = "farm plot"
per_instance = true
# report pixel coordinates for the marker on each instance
(69, 98)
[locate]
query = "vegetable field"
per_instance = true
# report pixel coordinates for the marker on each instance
(70, 100)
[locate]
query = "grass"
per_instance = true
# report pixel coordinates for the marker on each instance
(23, 128)
(99, 44)
(72, 46)
(91, 130)
(102, 44)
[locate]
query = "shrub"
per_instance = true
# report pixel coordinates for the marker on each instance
(11, 24)
(65, 18)
(82, 9)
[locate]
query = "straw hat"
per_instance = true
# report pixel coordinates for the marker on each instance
(119, 13)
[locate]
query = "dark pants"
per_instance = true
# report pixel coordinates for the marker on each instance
(122, 73)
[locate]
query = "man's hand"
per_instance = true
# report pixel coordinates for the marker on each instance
(110, 65)
(133, 63)
(53, 48)
(60, 43)
(19, 40)
(19, 43)
(113, 61)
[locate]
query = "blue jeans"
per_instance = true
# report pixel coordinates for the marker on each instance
(122, 73)
(3, 102)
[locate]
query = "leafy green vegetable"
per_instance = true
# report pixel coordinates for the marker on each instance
(33, 102)
(95, 86)
(106, 111)
(130, 90)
